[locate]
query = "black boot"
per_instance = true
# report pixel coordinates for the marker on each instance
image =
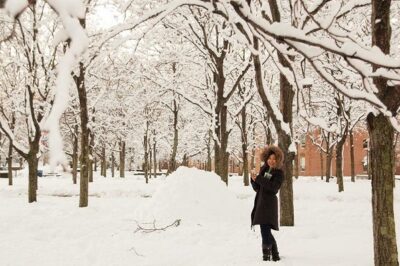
(275, 252)
(266, 249)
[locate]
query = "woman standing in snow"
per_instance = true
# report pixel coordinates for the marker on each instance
(265, 211)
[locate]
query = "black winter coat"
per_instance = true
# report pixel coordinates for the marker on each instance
(265, 210)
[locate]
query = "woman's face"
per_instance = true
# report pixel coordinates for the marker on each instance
(271, 161)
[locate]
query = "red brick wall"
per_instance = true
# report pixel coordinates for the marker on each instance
(312, 158)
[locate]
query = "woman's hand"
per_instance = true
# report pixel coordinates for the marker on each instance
(253, 174)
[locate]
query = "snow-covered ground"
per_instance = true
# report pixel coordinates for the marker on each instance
(331, 228)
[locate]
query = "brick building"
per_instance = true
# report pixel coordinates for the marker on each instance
(309, 157)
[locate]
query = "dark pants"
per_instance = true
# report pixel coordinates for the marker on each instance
(267, 237)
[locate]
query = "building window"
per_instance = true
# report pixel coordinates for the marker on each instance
(303, 163)
(303, 140)
(365, 144)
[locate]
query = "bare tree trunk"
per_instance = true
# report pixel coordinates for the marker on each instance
(328, 164)
(253, 151)
(84, 155)
(9, 163)
(352, 164)
(149, 161)
(246, 180)
(122, 159)
(296, 162)
(209, 160)
(32, 183)
(103, 161)
(146, 155)
(112, 164)
(90, 170)
(91, 148)
(339, 146)
(394, 158)
(224, 155)
(381, 135)
(172, 160)
(95, 163)
(286, 191)
(321, 157)
(154, 159)
(75, 155)
(185, 160)
(339, 163)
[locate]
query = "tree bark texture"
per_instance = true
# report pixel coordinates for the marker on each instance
(246, 180)
(10, 163)
(75, 155)
(103, 161)
(112, 164)
(32, 179)
(296, 162)
(154, 159)
(381, 135)
(339, 163)
(209, 159)
(340, 144)
(84, 152)
(146, 154)
(122, 155)
(329, 155)
(352, 160)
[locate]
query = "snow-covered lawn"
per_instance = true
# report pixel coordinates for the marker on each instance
(331, 228)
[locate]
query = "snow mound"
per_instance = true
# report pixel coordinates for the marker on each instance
(192, 195)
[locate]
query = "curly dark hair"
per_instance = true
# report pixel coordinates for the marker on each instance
(272, 149)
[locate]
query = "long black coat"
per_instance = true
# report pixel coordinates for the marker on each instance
(265, 210)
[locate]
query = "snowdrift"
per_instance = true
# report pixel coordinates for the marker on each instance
(193, 195)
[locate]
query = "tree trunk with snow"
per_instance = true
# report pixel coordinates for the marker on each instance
(286, 191)
(285, 139)
(381, 135)
(221, 154)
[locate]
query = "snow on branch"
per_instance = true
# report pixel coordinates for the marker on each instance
(6, 129)
(69, 12)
